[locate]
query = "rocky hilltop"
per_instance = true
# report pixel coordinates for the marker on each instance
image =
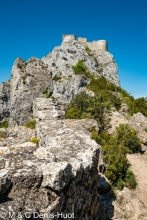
(62, 58)
(53, 74)
(49, 164)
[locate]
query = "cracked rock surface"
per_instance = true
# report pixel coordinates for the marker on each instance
(58, 175)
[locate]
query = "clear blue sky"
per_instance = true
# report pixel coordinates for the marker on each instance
(34, 27)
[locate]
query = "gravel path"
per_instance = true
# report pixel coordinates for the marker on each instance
(139, 168)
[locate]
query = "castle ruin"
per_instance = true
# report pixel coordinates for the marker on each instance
(94, 45)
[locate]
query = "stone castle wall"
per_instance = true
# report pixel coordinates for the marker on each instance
(68, 37)
(94, 45)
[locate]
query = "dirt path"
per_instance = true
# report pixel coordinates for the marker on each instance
(139, 168)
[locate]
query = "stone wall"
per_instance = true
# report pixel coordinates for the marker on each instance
(68, 37)
(94, 45)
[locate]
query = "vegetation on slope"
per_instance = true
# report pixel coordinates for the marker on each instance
(34, 140)
(125, 140)
(115, 147)
(4, 124)
(3, 134)
(46, 93)
(84, 106)
(110, 92)
(31, 124)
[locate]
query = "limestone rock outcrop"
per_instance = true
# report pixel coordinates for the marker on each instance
(128, 206)
(58, 176)
(107, 67)
(61, 60)
(4, 100)
(29, 79)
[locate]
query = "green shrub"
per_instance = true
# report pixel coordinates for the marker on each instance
(116, 161)
(140, 105)
(31, 124)
(87, 49)
(110, 92)
(87, 74)
(3, 134)
(96, 137)
(80, 101)
(47, 94)
(73, 113)
(120, 184)
(34, 140)
(106, 89)
(128, 137)
(79, 67)
(96, 61)
(117, 165)
(134, 105)
(56, 78)
(130, 180)
(44, 91)
(4, 124)
(90, 107)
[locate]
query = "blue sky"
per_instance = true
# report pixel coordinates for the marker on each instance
(34, 27)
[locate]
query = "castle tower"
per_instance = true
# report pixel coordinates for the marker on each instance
(68, 37)
(102, 45)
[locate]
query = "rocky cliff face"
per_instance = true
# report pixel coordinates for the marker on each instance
(4, 100)
(29, 79)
